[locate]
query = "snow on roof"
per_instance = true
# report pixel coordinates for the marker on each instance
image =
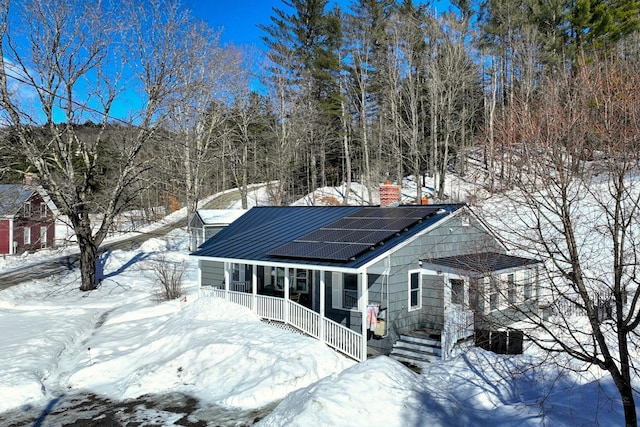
(220, 216)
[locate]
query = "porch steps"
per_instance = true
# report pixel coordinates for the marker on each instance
(417, 349)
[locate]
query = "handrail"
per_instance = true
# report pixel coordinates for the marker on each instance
(458, 325)
(334, 335)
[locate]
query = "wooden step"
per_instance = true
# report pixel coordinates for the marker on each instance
(417, 349)
(417, 355)
(410, 346)
(430, 342)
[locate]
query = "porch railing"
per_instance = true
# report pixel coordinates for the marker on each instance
(333, 334)
(458, 325)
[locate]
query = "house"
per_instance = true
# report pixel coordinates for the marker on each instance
(205, 223)
(27, 219)
(359, 277)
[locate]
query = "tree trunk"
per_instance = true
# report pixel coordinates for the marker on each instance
(88, 260)
(623, 384)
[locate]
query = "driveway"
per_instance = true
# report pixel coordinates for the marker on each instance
(60, 264)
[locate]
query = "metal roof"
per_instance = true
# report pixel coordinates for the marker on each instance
(482, 263)
(13, 196)
(263, 229)
(218, 216)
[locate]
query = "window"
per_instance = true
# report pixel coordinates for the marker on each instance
(43, 210)
(511, 288)
(278, 274)
(26, 209)
(415, 291)
(494, 301)
(27, 236)
(235, 272)
(301, 284)
(527, 286)
(344, 291)
(475, 294)
(350, 291)
(457, 291)
(43, 237)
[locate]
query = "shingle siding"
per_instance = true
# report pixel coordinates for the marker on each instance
(211, 273)
(449, 239)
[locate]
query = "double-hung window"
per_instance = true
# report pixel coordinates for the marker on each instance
(511, 288)
(415, 290)
(527, 285)
(344, 293)
(43, 237)
(26, 209)
(494, 301)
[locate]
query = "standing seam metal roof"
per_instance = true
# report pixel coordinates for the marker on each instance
(263, 229)
(13, 196)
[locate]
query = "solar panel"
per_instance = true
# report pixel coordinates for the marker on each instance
(354, 234)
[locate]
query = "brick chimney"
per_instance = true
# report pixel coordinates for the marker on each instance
(29, 178)
(389, 194)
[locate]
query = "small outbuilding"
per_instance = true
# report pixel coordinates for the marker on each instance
(205, 223)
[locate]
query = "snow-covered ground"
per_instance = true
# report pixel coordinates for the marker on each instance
(119, 342)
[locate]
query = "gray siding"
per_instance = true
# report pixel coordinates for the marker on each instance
(432, 315)
(212, 273)
(450, 239)
(210, 231)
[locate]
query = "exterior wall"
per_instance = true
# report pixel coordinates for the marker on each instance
(351, 319)
(211, 273)
(34, 223)
(5, 236)
(210, 231)
(432, 315)
(458, 236)
(199, 231)
(507, 312)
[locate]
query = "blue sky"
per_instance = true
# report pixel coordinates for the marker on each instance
(239, 18)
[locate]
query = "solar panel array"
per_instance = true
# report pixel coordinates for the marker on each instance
(354, 234)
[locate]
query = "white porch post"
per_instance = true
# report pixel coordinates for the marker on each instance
(227, 276)
(362, 306)
(322, 303)
(286, 295)
(254, 287)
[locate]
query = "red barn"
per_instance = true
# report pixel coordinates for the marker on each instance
(27, 219)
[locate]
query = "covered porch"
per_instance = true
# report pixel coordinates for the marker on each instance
(303, 297)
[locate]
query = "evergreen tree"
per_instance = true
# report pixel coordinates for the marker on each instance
(303, 49)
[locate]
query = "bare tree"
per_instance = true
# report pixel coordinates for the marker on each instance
(576, 206)
(452, 101)
(198, 109)
(246, 116)
(80, 61)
